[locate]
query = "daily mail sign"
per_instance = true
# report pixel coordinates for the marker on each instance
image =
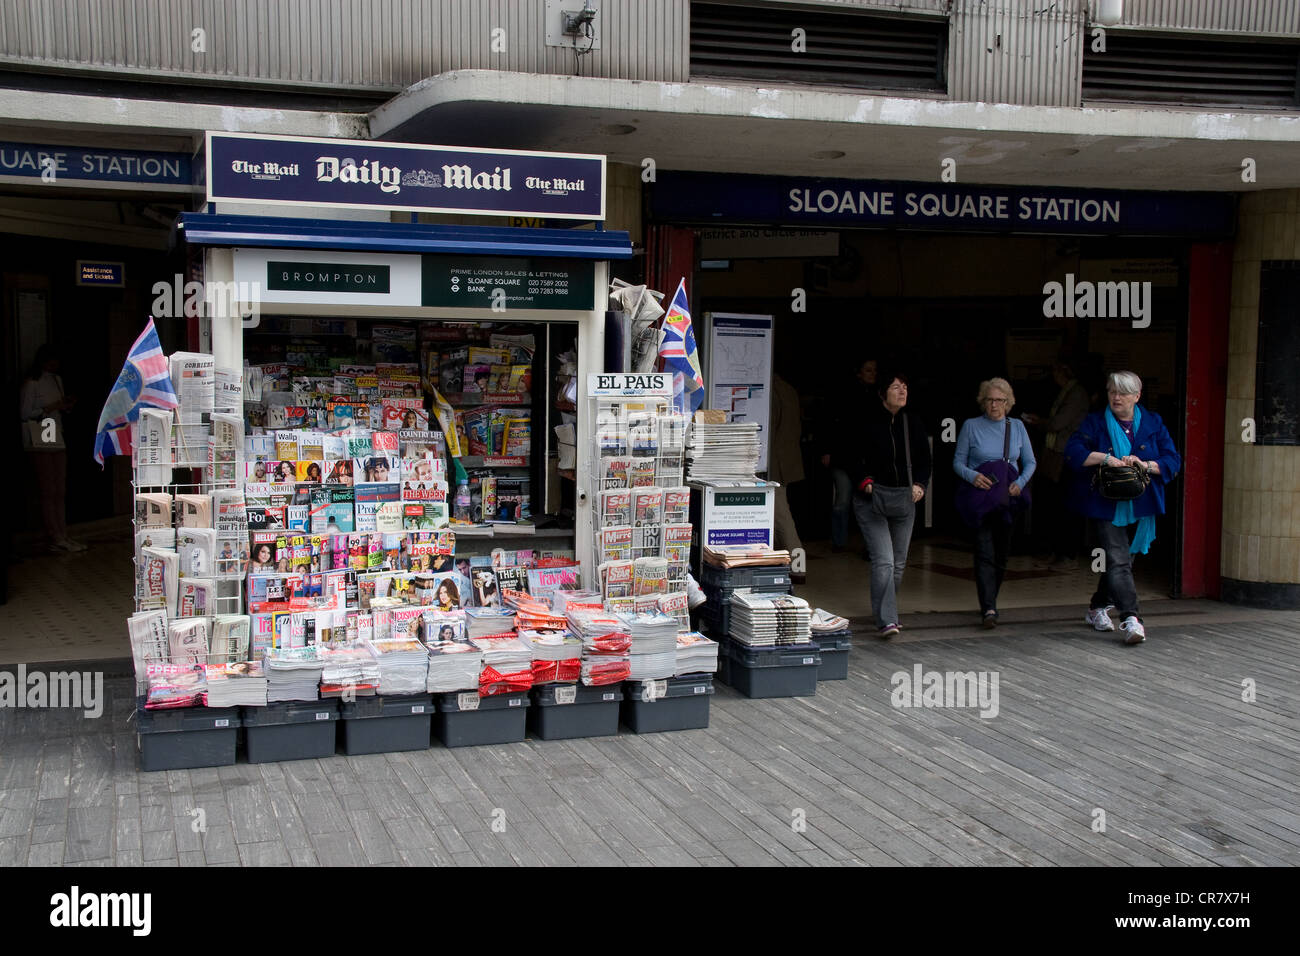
(359, 174)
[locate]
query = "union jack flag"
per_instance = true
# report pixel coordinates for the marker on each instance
(678, 350)
(145, 380)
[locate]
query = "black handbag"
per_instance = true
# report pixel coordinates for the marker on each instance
(1121, 482)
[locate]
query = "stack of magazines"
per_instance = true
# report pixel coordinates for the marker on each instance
(487, 621)
(654, 646)
(292, 673)
(173, 685)
(557, 655)
(722, 451)
(242, 684)
(403, 665)
(350, 670)
(696, 654)
(606, 645)
(453, 666)
(507, 665)
(763, 619)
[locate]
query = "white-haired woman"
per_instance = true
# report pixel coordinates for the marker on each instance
(1125, 433)
(996, 460)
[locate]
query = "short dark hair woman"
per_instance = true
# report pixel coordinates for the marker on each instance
(1128, 434)
(886, 454)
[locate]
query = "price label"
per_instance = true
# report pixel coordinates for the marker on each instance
(654, 689)
(417, 708)
(810, 660)
(701, 689)
(467, 701)
(608, 696)
(323, 715)
(566, 695)
(223, 722)
(517, 702)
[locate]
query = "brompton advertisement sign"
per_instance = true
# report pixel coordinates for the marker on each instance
(358, 174)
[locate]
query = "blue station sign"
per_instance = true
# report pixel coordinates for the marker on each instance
(847, 203)
(94, 166)
(359, 174)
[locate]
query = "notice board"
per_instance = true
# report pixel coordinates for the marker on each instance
(739, 373)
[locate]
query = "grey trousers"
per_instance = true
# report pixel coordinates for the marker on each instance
(887, 541)
(784, 532)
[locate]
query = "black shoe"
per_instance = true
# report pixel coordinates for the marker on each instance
(990, 620)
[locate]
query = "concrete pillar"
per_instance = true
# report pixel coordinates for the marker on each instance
(1261, 501)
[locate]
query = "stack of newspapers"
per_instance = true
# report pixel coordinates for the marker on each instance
(722, 451)
(696, 654)
(654, 646)
(403, 665)
(242, 684)
(763, 619)
(453, 666)
(292, 673)
(606, 645)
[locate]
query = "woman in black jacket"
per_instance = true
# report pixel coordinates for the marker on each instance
(887, 456)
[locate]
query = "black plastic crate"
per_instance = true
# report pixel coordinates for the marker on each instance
(835, 655)
(380, 725)
(464, 719)
(788, 670)
(290, 730)
(771, 578)
(678, 703)
(187, 738)
(566, 711)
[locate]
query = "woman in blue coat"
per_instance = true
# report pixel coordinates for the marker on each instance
(1125, 433)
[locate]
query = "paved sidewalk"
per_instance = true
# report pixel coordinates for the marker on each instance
(1157, 737)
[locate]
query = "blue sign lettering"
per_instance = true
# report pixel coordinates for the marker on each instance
(73, 165)
(780, 200)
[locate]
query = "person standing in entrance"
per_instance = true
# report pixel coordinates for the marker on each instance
(785, 462)
(43, 401)
(987, 446)
(886, 454)
(1061, 526)
(1124, 434)
(845, 407)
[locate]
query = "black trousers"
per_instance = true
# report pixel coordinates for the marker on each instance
(992, 542)
(1116, 586)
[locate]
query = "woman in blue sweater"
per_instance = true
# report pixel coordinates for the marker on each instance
(1125, 433)
(986, 448)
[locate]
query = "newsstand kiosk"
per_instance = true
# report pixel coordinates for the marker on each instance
(267, 270)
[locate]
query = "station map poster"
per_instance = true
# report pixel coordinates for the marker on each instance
(739, 373)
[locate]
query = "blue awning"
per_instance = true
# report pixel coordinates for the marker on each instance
(212, 229)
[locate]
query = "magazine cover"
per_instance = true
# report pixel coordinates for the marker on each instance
(375, 469)
(677, 505)
(424, 515)
(486, 592)
(616, 578)
(310, 471)
(332, 509)
(404, 413)
(615, 508)
(614, 471)
(422, 443)
(369, 498)
(616, 543)
(512, 579)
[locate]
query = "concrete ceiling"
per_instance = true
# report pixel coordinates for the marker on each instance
(802, 132)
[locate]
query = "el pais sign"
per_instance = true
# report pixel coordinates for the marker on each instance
(357, 174)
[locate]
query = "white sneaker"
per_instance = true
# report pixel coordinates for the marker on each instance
(1134, 632)
(67, 544)
(1100, 619)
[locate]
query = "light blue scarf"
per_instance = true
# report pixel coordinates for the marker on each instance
(1146, 527)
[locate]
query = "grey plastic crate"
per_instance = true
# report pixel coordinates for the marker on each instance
(292, 730)
(784, 671)
(187, 738)
(835, 655)
(566, 711)
(682, 705)
(773, 578)
(466, 720)
(380, 725)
